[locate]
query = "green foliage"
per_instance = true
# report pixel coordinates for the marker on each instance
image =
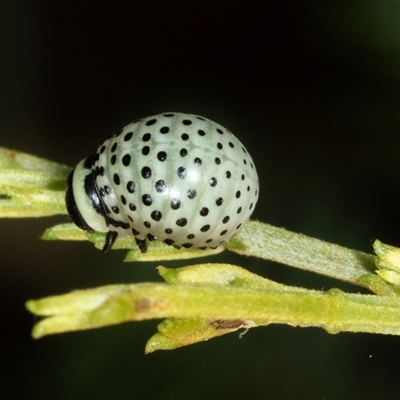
(206, 300)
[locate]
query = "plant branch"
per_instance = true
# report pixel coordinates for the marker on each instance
(229, 298)
(277, 244)
(206, 300)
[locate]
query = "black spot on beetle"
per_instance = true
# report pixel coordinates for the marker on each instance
(126, 160)
(175, 204)
(181, 222)
(147, 200)
(182, 172)
(131, 187)
(156, 215)
(161, 155)
(146, 172)
(151, 122)
(128, 136)
(204, 211)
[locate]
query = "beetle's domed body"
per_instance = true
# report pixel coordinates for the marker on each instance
(173, 177)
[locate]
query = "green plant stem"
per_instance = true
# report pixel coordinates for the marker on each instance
(277, 244)
(257, 240)
(205, 301)
(334, 311)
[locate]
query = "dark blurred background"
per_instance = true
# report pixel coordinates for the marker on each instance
(312, 90)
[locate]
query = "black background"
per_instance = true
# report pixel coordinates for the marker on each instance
(311, 89)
